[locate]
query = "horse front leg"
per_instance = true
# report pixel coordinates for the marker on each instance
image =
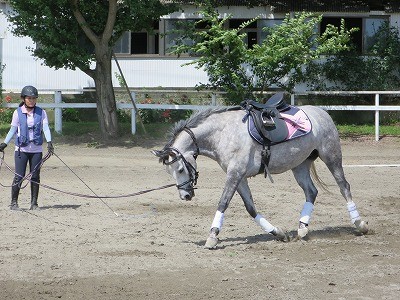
(231, 185)
(244, 192)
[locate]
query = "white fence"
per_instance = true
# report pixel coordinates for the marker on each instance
(58, 105)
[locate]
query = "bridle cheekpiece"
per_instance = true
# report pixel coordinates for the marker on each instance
(193, 174)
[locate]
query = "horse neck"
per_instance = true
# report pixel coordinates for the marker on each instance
(204, 137)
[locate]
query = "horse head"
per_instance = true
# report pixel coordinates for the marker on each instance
(182, 167)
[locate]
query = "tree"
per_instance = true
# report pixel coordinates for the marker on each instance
(379, 70)
(281, 59)
(81, 34)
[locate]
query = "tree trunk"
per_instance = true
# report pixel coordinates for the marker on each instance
(105, 97)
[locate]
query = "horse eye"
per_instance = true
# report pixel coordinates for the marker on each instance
(180, 171)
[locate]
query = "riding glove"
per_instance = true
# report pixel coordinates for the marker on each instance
(2, 146)
(50, 147)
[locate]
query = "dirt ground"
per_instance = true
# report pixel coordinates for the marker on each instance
(150, 246)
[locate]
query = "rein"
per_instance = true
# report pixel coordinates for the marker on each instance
(47, 156)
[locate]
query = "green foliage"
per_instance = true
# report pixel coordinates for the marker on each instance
(7, 113)
(123, 115)
(120, 79)
(71, 115)
(164, 115)
(81, 34)
(379, 70)
(63, 42)
(281, 59)
(222, 53)
(290, 47)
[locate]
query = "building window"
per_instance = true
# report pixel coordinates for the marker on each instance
(255, 32)
(137, 43)
(173, 38)
(267, 23)
(250, 30)
(141, 42)
(367, 28)
(371, 26)
(122, 46)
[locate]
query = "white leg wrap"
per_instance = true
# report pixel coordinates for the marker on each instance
(305, 214)
(352, 209)
(218, 220)
(265, 225)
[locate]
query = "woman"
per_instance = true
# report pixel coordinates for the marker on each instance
(28, 123)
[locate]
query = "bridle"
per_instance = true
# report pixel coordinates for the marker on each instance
(193, 174)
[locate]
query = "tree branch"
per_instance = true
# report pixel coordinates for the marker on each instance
(112, 15)
(82, 22)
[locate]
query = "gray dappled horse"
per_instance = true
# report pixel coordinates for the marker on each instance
(222, 135)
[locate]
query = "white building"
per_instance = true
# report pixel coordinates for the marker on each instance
(145, 60)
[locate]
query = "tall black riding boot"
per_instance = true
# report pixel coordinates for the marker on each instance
(14, 196)
(34, 195)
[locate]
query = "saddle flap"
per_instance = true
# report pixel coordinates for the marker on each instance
(276, 133)
(274, 130)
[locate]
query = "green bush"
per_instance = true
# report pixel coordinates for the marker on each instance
(71, 115)
(164, 115)
(124, 116)
(6, 113)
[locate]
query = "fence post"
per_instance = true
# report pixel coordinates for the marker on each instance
(133, 115)
(57, 112)
(213, 99)
(292, 99)
(377, 117)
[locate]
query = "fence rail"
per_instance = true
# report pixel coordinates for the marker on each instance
(58, 105)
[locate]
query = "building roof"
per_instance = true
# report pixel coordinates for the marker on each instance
(314, 5)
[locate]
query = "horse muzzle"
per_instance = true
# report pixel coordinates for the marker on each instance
(186, 194)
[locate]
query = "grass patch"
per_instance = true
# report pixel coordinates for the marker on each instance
(393, 130)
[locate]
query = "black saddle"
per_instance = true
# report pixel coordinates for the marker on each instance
(267, 119)
(276, 101)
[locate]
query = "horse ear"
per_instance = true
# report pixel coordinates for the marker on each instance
(162, 155)
(157, 153)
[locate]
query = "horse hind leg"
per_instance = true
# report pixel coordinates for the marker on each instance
(334, 164)
(245, 194)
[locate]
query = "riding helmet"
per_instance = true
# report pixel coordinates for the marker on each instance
(29, 91)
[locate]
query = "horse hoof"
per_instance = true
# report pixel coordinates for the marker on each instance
(280, 235)
(302, 232)
(362, 226)
(211, 243)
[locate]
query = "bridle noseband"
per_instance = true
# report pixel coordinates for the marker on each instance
(193, 174)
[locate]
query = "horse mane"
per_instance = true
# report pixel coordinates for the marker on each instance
(193, 121)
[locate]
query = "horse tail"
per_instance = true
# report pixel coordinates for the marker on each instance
(318, 179)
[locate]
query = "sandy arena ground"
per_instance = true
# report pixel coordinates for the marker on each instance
(78, 248)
